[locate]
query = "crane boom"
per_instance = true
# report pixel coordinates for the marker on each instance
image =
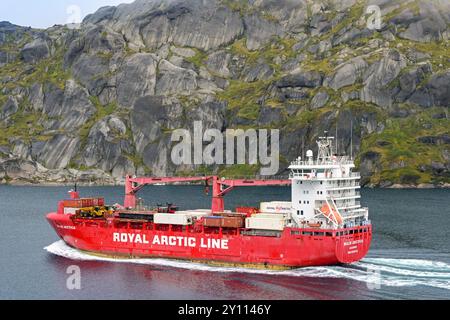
(220, 187)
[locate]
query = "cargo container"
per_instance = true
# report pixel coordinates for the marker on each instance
(194, 214)
(212, 222)
(71, 211)
(265, 224)
(276, 216)
(229, 214)
(224, 222)
(174, 219)
(233, 222)
(84, 203)
(247, 210)
(136, 215)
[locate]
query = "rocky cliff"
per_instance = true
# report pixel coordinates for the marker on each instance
(95, 103)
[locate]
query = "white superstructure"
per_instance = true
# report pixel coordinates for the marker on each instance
(325, 190)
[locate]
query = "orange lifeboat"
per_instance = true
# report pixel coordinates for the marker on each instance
(331, 214)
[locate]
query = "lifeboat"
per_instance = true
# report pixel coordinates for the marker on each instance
(331, 214)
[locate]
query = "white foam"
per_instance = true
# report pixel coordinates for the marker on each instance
(392, 272)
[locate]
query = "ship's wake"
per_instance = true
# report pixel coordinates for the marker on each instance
(375, 272)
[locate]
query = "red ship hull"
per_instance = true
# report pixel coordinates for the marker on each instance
(291, 248)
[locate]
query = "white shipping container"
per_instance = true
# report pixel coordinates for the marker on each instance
(70, 211)
(197, 214)
(175, 219)
(265, 224)
(276, 207)
(276, 216)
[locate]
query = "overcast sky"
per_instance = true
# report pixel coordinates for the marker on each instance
(46, 13)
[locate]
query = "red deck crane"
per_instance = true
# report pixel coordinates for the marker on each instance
(220, 187)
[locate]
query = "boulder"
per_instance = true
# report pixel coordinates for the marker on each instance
(307, 79)
(320, 100)
(260, 71)
(35, 51)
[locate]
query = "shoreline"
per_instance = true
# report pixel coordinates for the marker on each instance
(99, 184)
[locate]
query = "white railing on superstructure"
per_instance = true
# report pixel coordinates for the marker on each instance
(352, 175)
(339, 161)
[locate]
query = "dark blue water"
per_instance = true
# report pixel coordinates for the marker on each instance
(409, 259)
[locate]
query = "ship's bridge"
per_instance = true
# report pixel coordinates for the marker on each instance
(333, 168)
(325, 189)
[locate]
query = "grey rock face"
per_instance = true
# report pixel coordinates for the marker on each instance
(270, 115)
(72, 105)
(411, 79)
(6, 57)
(218, 63)
(435, 92)
(102, 14)
(21, 150)
(106, 146)
(437, 140)
(36, 97)
(58, 151)
(9, 108)
(92, 71)
(124, 167)
(260, 31)
(308, 79)
(348, 36)
(320, 100)
(36, 50)
(174, 79)
(369, 164)
(199, 24)
(136, 79)
(348, 74)
(206, 30)
(431, 23)
(18, 168)
(150, 115)
(211, 113)
(378, 78)
(260, 71)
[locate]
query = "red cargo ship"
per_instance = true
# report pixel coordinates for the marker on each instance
(324, 224)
